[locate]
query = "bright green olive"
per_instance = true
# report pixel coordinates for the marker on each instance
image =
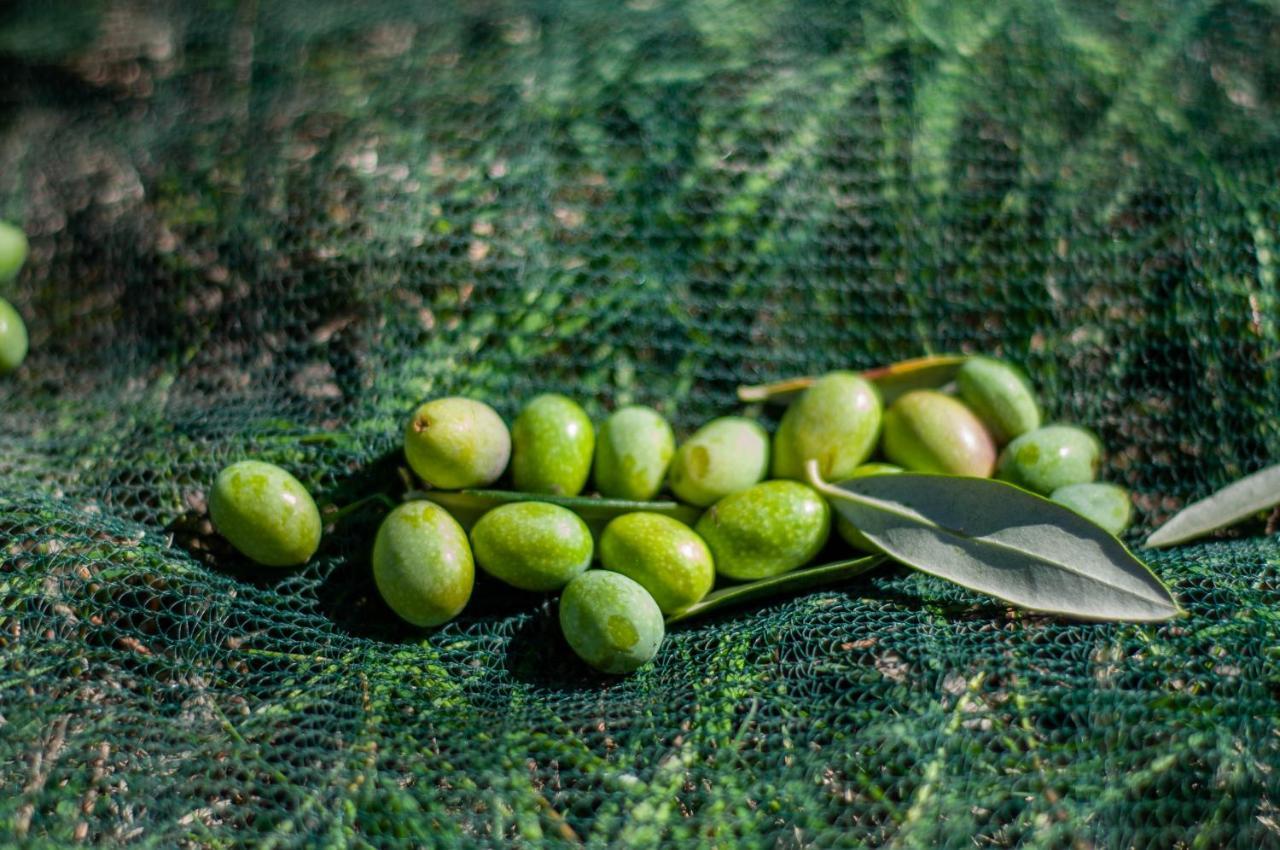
(610, 621)
(722, 457)
(1049, 458)
(766, 530)
(844, 528)
(422, 564)
(1000, 396)
(552, 443)
(13, 338)
(532, 545)
(663, 554)
(454, 443)
(633, 449)
(1105, 505)
(13, 250)
(265, 513)
(835, 421)
(926, 431)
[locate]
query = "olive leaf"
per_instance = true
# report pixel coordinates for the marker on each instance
(467, 506)
(896, 379)
(808, 578)
(1228, 506)
(998, 539)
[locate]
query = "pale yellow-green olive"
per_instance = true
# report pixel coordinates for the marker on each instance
(265, 513)
(422, 564)
(454, 443)
(835, 421)
(722, 457)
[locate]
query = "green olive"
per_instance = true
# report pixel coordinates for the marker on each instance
(265, 513)
(1105, 505)
(766, 530)
(553, 441)
(835, 421)
(926, 431)
(13, 250)
(1049, 458)
(13, 338)
(610, 621)
(663, 554)
(633, 449)
(532, 545)
(846, 529)
(454, 443)
(422, 564)
(1001, 397)
(722, 457)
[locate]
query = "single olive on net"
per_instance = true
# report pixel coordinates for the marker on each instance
(422, 564)
(846, 529)
(664, 555)
(722, 457)
(453, 443)
(766, 530)
(532, 545)
(1000, 395)
(13, 250)
(1049, 458)
(835, 422)
(13, 338)
(1105, 505)
(610, 621)
(265, 513)
(552, 444)
(633, 450)
(928, 431)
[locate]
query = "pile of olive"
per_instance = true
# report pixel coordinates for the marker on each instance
(652, 564)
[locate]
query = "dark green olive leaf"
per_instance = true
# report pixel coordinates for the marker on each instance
(467, 506)
(921, 373)
(795, 581)
(995, 538)
(1233, 503)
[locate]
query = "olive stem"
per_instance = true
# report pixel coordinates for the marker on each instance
(340, 514)
(805, 579)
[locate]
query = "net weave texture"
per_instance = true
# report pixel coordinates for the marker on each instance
(268, 229)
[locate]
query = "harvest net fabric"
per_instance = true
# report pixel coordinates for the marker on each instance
(267, 229)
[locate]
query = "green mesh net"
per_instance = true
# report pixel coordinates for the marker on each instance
(265, 228)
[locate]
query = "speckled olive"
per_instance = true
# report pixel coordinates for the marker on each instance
(1049, 458)
(633, 449)
(13, 250)
(766, 530)
(452, 443)
(13, 338)
(1000, 396)
(552, 443)
(610, 621)
(835, 422)
(1105, 505)
(265, 513)
(532, 545)
(663, 554)
(722, 457)
(926, 431)
(422, 564)
(846, 529)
